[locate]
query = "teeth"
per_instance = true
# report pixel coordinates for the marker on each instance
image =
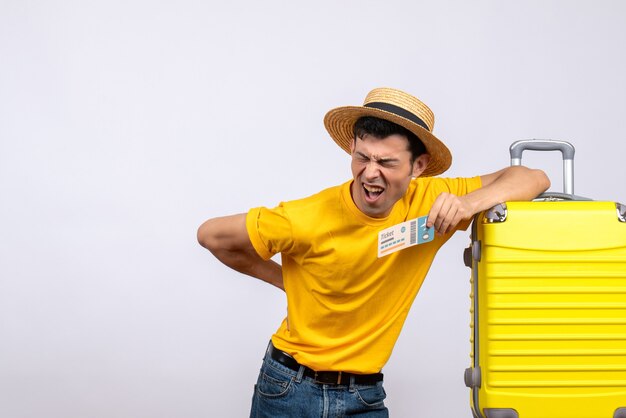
(373, 189)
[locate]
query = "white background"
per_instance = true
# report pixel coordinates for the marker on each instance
(126, 124)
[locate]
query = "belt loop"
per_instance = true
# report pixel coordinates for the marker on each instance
(352, 384)
(300, 374)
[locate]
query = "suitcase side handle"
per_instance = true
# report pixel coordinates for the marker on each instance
(567, 150)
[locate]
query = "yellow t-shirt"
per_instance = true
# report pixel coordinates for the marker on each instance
(346, 306)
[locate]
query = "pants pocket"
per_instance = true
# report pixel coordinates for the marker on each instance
(371, 396)
(273, 384)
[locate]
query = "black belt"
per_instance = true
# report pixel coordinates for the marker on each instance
(325, 378)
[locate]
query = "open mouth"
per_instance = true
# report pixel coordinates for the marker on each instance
(372, 192)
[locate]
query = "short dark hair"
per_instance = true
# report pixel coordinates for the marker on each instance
(381, 128)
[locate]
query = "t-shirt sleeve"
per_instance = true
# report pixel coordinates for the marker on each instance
(269, 230)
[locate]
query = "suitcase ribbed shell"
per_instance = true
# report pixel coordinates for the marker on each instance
(550, 294)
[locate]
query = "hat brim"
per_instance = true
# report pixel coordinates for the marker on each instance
(339, 123)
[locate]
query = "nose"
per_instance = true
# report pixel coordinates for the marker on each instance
(371, 170)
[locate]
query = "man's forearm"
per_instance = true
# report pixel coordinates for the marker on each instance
(511, 184)
(227, 239)
(248, 262)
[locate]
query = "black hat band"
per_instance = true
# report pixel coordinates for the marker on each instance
(397, 110)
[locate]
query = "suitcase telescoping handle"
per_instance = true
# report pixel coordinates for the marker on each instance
(567, 150)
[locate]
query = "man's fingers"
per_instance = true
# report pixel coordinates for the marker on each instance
(440, 211)
(448, 221)
(446, 212)
(434, 211)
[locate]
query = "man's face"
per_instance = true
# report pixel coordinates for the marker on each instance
(382, 171)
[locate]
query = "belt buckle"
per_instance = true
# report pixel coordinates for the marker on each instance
(327, 381)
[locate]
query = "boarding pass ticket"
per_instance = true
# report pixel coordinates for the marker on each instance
(404, 235)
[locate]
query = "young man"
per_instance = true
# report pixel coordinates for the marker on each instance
(347, 304)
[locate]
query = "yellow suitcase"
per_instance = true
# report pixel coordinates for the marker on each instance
(548, 305)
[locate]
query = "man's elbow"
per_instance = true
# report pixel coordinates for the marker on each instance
(542, 180)
(536, 180)
(224, 234)
(206, 236)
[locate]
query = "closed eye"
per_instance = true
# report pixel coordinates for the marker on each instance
(383, 162)
(362, 158)
(388, 162)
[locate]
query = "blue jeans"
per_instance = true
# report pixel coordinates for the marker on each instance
(283, 393)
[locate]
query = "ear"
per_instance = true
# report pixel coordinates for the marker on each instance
(352, 145)
(420, 164)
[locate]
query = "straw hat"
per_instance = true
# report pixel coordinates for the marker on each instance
(398, 107)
